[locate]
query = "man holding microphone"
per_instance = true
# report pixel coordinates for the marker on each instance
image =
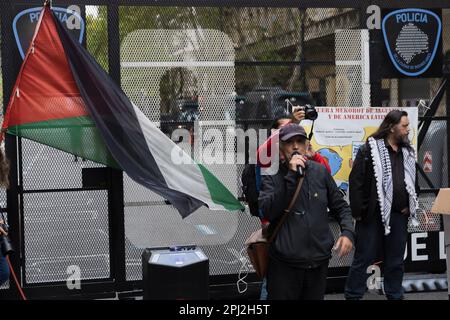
(301, 250)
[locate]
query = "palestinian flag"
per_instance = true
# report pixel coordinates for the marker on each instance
(62, 98)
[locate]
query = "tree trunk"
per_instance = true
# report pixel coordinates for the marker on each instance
(299, 70)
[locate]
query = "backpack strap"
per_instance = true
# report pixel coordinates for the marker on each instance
(288, 209)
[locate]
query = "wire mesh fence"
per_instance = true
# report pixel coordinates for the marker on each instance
(225, 67)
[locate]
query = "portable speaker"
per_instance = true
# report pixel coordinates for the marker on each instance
(175, 273)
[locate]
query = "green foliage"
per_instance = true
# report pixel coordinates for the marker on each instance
(229, 20)
(97, 37)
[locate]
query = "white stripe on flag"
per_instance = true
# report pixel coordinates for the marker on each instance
(186, 178)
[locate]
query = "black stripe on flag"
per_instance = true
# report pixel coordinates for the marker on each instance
(114, 116)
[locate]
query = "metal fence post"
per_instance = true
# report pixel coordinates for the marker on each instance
(115, 192)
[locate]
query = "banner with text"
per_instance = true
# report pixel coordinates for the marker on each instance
(339, 132)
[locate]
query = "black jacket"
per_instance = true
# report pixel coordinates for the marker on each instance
(363, 186)
(305, 238)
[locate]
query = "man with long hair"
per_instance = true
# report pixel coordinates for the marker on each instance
(382, 198)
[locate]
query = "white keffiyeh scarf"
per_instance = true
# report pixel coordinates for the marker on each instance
(383, 176)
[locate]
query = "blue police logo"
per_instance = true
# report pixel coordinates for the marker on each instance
(25, 21)
(412, 37)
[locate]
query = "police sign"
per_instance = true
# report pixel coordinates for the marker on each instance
(412, 38)
(25, 21)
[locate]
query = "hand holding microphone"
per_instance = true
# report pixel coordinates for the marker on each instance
(298, 163)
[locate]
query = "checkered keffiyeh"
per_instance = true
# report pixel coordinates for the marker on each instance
(383, 175)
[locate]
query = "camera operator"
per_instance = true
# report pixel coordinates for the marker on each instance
(4, 269)
(299, 113)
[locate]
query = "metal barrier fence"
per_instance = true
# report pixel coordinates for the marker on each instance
(223, 63)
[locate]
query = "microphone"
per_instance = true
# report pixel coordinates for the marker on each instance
(299, 168)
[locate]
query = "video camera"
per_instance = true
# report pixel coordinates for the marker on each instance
(310, 111)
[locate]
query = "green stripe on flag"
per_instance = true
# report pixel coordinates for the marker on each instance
(219, 193)
(76, 135)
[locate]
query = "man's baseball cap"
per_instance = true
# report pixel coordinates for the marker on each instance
(291, 130)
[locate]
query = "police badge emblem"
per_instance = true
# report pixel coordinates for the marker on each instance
(412, 38)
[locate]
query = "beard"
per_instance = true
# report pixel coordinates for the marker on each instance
(402, 140)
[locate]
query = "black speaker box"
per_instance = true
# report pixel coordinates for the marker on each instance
(175, 273)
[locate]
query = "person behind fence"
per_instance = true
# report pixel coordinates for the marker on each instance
(4, 181)
(382, 197)
(299, 255)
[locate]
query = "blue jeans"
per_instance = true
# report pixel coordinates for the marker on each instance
(370, 244)
(263, 289)
(4, 270)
